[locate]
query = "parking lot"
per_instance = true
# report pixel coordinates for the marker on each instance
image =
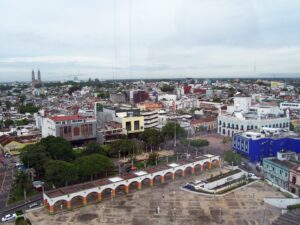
(242, 207)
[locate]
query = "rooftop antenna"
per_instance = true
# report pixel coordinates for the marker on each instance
(129, 33)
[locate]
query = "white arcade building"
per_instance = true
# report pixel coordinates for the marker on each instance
(243, 116)
(95, 191)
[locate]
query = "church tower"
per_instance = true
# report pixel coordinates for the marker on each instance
(32, 76)
(39, 77)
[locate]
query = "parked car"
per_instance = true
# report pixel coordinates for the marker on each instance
(33, 205)
(9, 217)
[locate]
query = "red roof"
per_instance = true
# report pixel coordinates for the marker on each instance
(64, 118)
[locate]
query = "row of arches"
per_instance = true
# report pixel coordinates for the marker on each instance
(109, 193)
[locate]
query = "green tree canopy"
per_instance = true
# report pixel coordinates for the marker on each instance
(152, 137)
(92, 148)
(125, 147)
(35, 156)
(8, 123)
(92, 165)
(232, 158)
(168, 131)
(58, 148)
(60, 172)
(199, 143)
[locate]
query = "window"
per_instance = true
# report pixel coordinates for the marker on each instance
(136, 125)
(76, 131)
(128, 126)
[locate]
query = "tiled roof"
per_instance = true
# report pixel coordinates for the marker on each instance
(64, 118)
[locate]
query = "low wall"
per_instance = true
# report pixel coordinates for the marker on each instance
(282, 203)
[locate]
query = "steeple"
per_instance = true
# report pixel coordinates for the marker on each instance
(39, 76)
(32, 76)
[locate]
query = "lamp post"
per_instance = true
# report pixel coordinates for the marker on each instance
(220, 215)
(119, 163)
(264, 216)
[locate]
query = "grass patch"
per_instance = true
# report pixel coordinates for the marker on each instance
(223, 175)
(292, 207)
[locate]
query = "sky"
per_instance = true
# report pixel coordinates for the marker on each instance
(117, 39)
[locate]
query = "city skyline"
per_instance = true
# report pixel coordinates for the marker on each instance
(169, 39)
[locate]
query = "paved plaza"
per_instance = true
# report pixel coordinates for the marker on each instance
(242, 207)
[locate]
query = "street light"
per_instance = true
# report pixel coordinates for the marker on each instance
(220, 215)
(119, 163)
(264, 216)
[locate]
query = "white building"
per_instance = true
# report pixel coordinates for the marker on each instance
(244, 117)
(150, 118)
(72, 128)
(290, 105)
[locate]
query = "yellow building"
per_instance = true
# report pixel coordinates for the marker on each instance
(133, 124)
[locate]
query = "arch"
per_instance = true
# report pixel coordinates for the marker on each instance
(206, 165)
(133, 186)
(92, 197)
(107, 193)
(157, 179)
(179, 173)
(198, 168)
(121, 189)
(60, 205)
(188, 170)
(168, 176)
(215, 163)
(77, 201)
(145, 182)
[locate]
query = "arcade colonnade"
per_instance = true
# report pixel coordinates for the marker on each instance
(82, 194)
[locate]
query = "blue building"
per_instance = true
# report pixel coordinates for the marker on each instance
(255, 146)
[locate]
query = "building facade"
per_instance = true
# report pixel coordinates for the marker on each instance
(72, 128)
(150, 119)
(244, 117)
(256, 145)
(294, 180)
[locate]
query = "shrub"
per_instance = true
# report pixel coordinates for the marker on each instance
(291, 207)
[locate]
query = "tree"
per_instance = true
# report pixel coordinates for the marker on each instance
(125, 147)
(28, 108)
(217, 100)
(167, 88)
(22, 122)
(168, 131)
(152, 138)
(35, 156)
(58, 148)
(199, 143)
(8, 123)
(92, 165)
(152, 158)
(232, 158)
(22, 99)
(8, 104)
(60, 173)
(92, 148)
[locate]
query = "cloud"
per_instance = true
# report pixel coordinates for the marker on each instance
(168, 38)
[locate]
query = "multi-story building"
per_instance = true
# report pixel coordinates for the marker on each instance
(244, 117)
(149, 106)
(111, 131)
(137, 96)
(256, 145)
(294, 180)
(204, 124)
(130, 118)
(150, 118)
(72, 128)
(277, 170)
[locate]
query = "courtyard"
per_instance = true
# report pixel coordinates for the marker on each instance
(241, 207)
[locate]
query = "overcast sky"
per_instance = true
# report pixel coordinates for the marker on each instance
(169, 38)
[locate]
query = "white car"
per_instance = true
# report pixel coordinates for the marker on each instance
(33, 205)
(9, 217)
